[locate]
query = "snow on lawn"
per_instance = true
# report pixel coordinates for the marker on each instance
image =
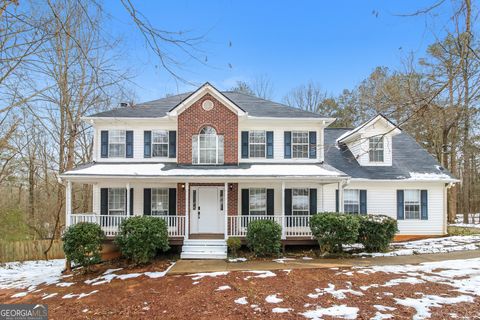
(223, 288)
(423, 305)
(29, 274)
(79, 295)
(465, 225)
(338, 294)
(198, 276)
(282, 260)
(281, 310)
(260, 274)
(273, 299)
(337, 311)
(434, 245)
(109, 275)
(242, 300)
(237, 259)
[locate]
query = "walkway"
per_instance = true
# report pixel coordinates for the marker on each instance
(197, 266)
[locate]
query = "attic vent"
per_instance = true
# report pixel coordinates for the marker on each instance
(207, 105)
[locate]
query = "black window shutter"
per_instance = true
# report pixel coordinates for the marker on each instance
(269, 144)
(363, 201)
(172, 144)
(270, 202)
(287, 143)
(288, 202)
(147, 144)
(313, 201)
(337, 204)
(131, 201)
(104, 144)
(400, 207)
(129, 144)
(245, 202)
(172, 202)
(424, 204)
(104, 201)
(147, 201)
(312, 149)
(244, 144)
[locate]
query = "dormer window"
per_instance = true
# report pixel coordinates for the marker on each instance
(207, 147)
(376, 149)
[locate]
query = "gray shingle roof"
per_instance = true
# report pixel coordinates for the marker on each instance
(254, 106)
(408, 156)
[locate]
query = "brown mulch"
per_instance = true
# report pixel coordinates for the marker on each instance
(180, 297)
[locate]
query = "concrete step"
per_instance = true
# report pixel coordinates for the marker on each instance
(213, 242)
(203, 255)
(204, 248)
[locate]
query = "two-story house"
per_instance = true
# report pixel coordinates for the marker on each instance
(208, 162)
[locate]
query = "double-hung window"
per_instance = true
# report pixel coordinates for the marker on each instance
(116, 143)
(257, 201)
(257, 144)
(160, 201)
(116, 201)
(375, 150)
(412, 204)
(300, 202)
(351, 201)
(300, 144)
(207, 147)
(160, 143)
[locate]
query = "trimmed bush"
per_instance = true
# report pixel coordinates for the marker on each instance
(140, 238)
(264, 237)
(82, 244)
(334, 229)
(376, 232)
(234, 245)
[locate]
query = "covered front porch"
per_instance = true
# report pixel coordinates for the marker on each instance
(209, 203)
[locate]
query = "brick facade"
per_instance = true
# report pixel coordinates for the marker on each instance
(194, 118)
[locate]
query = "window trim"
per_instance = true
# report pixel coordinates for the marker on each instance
(124, 205)
(124, 143)
(357, 191)
(301, 144)
(250, 203)
(250, 143)
(166, 211)
(376, 148)
(419, 193)
(308, 202)
(167, 143)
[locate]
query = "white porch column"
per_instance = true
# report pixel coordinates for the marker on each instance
(284, 233)
(187, 212)
(68, 203)
(225, 209)
(340, 196)
(127, 209)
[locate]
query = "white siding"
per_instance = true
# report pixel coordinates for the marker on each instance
(138, 127)
(382, 199)
(278, 128)
(360, 146)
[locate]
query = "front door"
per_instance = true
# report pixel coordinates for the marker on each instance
(207, 210)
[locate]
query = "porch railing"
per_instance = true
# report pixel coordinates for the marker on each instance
(293, 226)
(110, 223)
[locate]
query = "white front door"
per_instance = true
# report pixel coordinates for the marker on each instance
(207, 210)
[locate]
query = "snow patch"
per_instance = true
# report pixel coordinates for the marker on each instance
(339, 311)
(273, 299)
(223, 288)
(242, 300)
(281, 310)
(338, 294)
(78, 296)
(198, 276)
(48, 296)
(30, 274)
(423, 305)
(237, 259)
(260, 274)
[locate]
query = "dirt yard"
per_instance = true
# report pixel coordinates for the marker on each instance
(440, 290)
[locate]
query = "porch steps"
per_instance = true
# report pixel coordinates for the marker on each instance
(204, 249)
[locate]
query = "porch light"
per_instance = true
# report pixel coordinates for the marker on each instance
(230, 186)
(183, 185)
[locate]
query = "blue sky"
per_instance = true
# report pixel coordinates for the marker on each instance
(334, 43)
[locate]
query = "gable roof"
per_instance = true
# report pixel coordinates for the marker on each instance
(410, 161)
(253, 106)
(358, 130)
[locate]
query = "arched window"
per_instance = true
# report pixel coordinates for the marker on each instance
(207, 147)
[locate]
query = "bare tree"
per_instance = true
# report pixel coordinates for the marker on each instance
(306, 97)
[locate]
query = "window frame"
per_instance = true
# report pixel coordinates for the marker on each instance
(305, 212)
(152, 143)
(357, 204)
(155, 193)
(251, 144)
(121, 196)
(418, 204)
(374, 149)
(263, 194)
(197, 147)
(122, 136)
(301, 144)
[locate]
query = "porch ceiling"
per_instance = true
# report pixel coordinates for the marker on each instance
(176, 172)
